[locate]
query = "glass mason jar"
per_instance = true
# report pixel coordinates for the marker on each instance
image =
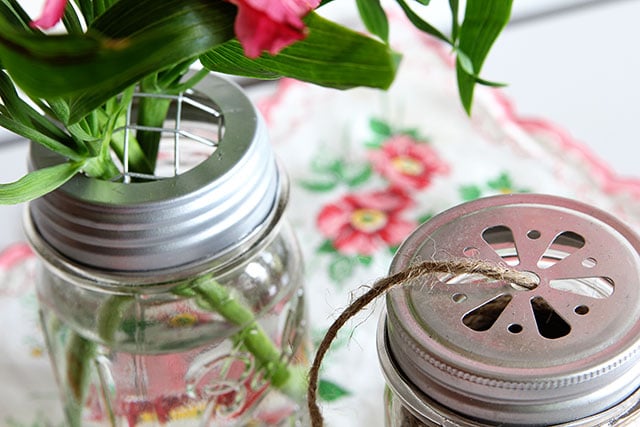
(464, 350)
(177, 300)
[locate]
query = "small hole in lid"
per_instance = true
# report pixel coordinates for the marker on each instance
(533, 234)
(458, 297)
(515, 328)
(581, 310)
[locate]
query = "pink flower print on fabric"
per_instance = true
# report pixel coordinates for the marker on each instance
(270, 25)
(51, 14)
(360, 224)
(407, 163)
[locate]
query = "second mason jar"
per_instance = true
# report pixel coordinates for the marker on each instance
(177, 300)
(464, 350)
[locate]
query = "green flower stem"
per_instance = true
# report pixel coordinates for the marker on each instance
(80, 352)
(151, 112)
(110, 316)
(210, 295)
(217, 298)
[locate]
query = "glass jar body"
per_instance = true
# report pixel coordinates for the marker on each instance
(221, 347)
(397, 414)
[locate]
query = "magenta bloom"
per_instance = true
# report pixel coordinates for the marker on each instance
(270, 25)
(407, 163)
(360, 224)
(51, 14)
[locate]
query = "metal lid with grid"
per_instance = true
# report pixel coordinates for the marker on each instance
(216, 185)
(493, 351)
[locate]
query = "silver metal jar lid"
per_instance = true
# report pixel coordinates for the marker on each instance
(167, 223)
(498, 353)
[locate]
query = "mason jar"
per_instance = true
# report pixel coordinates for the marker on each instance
(464, 350)
(177, 299)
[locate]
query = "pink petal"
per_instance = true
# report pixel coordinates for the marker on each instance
(354, 242)
(396, 231)
(51, 14)
(270, 25)
(332, 219)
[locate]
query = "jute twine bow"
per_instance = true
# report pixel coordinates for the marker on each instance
(381, 286)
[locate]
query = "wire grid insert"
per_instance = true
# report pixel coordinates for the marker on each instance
(174, 133)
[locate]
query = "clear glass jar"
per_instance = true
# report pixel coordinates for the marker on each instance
(177, 301)
(464, 350)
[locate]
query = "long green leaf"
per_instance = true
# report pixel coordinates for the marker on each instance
(13, 11)
(455, 25)
(129, 41)
(86, 9)
(349, 58)
(374, 18)
(421, 24)
(38, 183)
(483, 22)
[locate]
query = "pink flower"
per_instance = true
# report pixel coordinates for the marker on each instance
(51, 14)
(270, 25)
(407, 163)
(362, 223)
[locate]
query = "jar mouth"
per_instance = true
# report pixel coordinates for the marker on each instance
(154, 226)
(559, 351)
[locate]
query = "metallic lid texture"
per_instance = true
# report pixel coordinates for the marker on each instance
(496, 352)
(166, 223)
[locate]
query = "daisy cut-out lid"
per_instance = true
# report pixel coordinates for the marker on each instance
(494, 351)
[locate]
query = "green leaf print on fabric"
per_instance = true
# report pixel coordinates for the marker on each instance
(327, 175)
(502, 184)
(329, 391)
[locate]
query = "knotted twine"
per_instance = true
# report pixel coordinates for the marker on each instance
(404, 277)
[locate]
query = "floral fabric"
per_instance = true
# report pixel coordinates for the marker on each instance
(366, 168)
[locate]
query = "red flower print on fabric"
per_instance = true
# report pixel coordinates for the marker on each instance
(407, 163)
(360, 224)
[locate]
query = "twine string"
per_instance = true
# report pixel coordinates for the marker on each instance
(381, 286)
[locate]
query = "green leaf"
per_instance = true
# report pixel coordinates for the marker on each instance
(470, 192)
(86, 9)
(71, 21)
(350, 59)
(22, 112)
(365, 260)
(330, 391)
(326, 248)
(28, 132)
(502, 182)
(12, 10)
(421, 24)
(357, 174)
(129, 41)
(455, 25)
(319, 186)
(424, 218)
(38, 183)
(483, 22)
(380, 127)
(374, 18)
(341, 268)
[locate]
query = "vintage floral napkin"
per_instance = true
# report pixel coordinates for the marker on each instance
(366, 168)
